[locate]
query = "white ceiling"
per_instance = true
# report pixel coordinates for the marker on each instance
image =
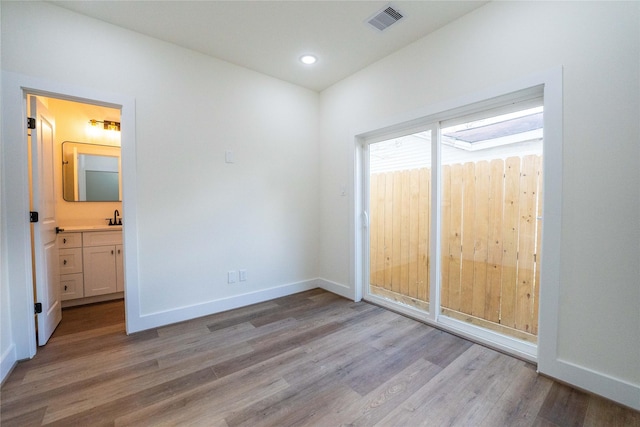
(270, 36)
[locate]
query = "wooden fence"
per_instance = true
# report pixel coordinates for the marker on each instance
(489, 239)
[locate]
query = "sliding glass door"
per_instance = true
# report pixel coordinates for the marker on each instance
(455, 220)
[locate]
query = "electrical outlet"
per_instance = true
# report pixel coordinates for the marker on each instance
(243, 275)
(231, 277)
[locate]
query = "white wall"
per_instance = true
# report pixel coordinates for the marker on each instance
(197, 216)
(598, 46)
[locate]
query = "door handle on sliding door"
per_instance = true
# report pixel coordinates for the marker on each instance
(365, 219)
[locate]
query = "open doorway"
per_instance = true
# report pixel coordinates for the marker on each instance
(77, 248)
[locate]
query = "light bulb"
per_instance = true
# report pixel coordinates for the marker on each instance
(308, 59)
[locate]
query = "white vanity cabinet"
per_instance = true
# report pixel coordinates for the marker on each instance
(102, 261)
(90, 264)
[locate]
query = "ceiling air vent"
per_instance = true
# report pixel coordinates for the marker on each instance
(385, 18)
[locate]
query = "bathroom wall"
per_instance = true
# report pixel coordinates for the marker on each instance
(72, 125)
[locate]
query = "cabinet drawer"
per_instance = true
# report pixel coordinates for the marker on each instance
(69, 240)
(71, 286)
(102, 238)
(70, 261)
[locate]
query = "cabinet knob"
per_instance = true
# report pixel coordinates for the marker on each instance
(65, 287)
(64, 240)
(64, 262)
(111, 251)
(118, 251)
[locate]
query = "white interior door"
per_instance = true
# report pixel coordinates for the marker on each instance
(47, 277)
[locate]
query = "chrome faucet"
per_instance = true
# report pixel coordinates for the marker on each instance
(115, 220)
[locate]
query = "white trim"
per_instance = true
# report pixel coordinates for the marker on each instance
(404, 309)
(436, 223)
(163, 318)
(336, 288)
(14, 161)
(356, 211)
(549, 295)
(515, 347)
(7, 362)
(518, 348)
(596, 382)
(92, 300)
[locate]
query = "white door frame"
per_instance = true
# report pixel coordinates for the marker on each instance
(15, 197)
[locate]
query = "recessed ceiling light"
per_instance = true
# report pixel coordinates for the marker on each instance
(308, 59)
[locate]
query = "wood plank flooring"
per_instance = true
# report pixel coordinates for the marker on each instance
(310, 359)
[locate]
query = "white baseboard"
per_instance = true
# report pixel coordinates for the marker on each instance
(7, 361)
(92, 300)
(594, 382)
(181, 314)
(336, 288)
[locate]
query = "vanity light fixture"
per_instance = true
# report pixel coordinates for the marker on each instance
(308, 59)
(107, 124)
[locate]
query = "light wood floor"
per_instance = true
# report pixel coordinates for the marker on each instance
(311, 359)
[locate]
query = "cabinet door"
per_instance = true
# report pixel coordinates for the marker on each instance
(70, 261)
(99, 270)
(71, 286)
(119, 269)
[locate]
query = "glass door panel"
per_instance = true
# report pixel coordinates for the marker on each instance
(491, 172)
(400, 218)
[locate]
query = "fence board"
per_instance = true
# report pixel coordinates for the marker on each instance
(526, 244)
(455, 237)
(397, 229)
(424, 230)
(373, 228)
(510, 241)
(379, 228)
(480, 244)
(539, 225)
(414, 230)
(388, 229)
(494, 251)
(467, 237)
(444, 232)
(405, 238)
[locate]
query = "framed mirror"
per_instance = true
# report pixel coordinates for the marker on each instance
(90, 172)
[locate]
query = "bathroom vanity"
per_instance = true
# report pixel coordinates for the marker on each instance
(91, 267)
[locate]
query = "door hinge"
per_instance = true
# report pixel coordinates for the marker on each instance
(31, 123)
(38, 307)
(33, 216)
